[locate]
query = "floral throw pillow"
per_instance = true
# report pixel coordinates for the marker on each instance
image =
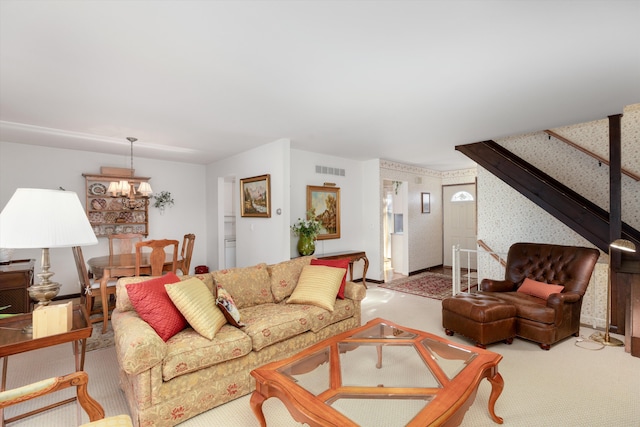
(225, 303)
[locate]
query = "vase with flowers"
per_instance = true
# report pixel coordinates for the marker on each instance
(163, 199)
(307, 231)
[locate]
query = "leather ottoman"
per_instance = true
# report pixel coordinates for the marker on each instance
(483, 318)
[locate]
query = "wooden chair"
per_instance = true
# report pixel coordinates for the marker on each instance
(124, 243)
(157, 256)
(77, 379)
(90, 288)
(187, 250)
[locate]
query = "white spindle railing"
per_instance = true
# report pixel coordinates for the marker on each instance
(488, 266)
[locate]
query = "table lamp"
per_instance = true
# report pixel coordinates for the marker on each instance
(39, 218)
(626, 246)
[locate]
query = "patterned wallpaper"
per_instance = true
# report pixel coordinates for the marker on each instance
(505, 216)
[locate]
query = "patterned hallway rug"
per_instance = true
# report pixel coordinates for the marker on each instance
(430, 285)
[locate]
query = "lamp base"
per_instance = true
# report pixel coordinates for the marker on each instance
(606, 340)
(44, 293)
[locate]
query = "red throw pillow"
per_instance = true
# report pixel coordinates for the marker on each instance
(539, 289)
(151, 301)
(338, 263)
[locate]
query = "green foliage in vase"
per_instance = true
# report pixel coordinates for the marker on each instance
(163, 199)
(308, 227)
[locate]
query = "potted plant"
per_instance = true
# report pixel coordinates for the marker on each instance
(307, 231)
(163, 199)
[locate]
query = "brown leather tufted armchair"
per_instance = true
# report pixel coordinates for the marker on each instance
(545, 321)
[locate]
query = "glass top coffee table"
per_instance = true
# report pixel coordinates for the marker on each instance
(380, 374)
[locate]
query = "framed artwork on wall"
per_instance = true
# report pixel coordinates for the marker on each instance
(426, 202)
(255, 196)
(325, 204)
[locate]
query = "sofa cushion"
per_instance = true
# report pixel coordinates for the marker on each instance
(267, 324)
(339, 263)
(197, 304)
(284, 277)
(154, 306)
(321, 318)
(228, 307)
(248, 286)
(539, 289)
(189, 351)
(318, 285)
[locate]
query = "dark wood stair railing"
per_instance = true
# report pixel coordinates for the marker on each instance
(491, 252)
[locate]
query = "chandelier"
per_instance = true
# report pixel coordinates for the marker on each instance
(126, 189)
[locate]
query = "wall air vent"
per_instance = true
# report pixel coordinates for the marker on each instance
(326, 170)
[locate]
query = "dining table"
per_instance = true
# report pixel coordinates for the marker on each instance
(124, 265)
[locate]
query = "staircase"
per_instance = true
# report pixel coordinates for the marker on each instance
(576, 212)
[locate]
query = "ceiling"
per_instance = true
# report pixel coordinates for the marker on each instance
(407, 81)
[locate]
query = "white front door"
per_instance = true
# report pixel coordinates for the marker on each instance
(459, 223)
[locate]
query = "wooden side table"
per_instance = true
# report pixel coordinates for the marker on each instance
(352, 256)
(14, 341)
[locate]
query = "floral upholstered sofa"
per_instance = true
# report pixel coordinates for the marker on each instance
(168, 380)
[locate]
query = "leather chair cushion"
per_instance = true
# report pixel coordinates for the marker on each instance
(481, 308)
(527, 306)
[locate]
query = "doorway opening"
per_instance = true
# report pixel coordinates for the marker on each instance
(395, 222)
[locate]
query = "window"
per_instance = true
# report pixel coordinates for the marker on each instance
(462, 196)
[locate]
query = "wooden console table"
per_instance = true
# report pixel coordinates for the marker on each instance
(352, 256)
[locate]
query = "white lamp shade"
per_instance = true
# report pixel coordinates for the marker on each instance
(145, 189)
(39, 218)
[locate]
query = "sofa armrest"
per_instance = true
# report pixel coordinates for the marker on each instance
(355, 291)
(490, 285)
(138, 346)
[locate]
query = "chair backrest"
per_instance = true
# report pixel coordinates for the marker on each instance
(81, 267)
(158, 256)
(187, 252)
(570, 266)
(124, 243)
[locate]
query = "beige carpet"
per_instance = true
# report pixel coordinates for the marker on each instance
(566, 386)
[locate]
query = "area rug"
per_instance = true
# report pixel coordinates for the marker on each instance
(430, 285)
(98, 339)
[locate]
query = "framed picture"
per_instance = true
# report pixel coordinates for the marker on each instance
(426, 202)
(325, 203)
(255, 196)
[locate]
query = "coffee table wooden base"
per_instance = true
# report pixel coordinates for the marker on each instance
(445, 402)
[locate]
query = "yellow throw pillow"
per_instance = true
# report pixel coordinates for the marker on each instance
(318, 285)
(197, 304)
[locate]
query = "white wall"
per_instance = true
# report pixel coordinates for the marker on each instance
(257, 239)
(44, 167)
(303, 173)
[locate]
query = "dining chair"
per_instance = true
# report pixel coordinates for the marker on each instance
(157, 256)
(185, 255)
(79, 380)
(89, 289)
(123, 243)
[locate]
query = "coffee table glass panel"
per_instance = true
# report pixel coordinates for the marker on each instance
(379, 374)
